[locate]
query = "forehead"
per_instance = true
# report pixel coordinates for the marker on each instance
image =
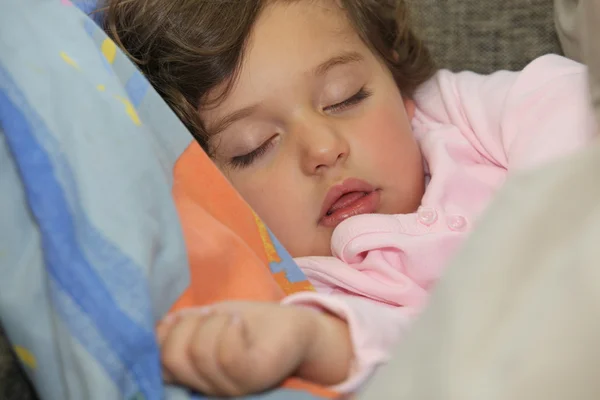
(310, 20)
(297, 35)
(290, 39)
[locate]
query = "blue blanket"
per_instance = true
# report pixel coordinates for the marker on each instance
(91, 253)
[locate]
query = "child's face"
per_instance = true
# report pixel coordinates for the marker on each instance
(312, 108)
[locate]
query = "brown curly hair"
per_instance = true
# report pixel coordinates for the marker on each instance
(186, 48)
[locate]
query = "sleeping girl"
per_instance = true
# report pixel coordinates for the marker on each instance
(369, 165)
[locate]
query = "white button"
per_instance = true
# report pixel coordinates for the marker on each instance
(427, 215)
(457, 222)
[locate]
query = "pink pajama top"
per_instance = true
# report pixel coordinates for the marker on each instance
(473, 132)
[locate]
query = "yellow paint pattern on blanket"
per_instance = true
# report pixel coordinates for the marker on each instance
(270, 250)
(26, 357)
(292, 287)
(68, 60)
(130, 110)
(109, 49)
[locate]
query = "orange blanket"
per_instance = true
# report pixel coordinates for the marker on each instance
(232, 255)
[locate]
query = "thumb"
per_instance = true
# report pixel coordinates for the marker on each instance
(162, 332)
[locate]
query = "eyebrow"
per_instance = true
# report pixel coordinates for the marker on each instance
(341, 59)
(229, 119)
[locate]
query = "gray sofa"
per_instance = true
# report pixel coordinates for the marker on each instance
(486, 35)
(478, 35)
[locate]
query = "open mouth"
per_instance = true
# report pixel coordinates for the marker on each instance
(352, 197)
(346, 201)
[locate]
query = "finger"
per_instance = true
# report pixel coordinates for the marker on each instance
(257, 356)
(162, 331)
(236, 360)
(204, 354)
(164, 327)
(175, 353)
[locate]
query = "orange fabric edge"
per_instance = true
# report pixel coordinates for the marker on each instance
(238, 247)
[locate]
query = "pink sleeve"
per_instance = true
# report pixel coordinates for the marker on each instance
(374, 329)
(387, 270)
(385, 258)
(516, 119)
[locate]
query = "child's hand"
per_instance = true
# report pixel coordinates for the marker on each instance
(232, 349)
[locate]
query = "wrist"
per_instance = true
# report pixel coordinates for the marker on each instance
(329, 352)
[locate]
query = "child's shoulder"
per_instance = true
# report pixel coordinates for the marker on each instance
(546, 63)
(539, 73)
(549, 66)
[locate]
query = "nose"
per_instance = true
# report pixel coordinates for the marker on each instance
(322, 147)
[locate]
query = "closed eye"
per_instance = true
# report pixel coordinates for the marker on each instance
(361, 95)
(246, 160)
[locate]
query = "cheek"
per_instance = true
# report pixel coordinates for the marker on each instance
(256, 189)
(390, 156)
(274, 199)
(386, 135)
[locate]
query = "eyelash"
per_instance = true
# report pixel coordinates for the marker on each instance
(361, 95)
(247, 159)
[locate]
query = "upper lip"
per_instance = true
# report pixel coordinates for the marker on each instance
(347, 186)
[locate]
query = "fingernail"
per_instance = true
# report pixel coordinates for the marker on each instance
(235, 319)
(197, 311)
(205, 310)
(169, 319)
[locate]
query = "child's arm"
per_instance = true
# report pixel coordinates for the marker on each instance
(240, 348)
(374, 328)
(232, 349)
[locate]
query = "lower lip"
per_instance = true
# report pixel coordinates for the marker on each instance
(365, 205)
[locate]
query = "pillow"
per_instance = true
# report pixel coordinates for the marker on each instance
(95, 174)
